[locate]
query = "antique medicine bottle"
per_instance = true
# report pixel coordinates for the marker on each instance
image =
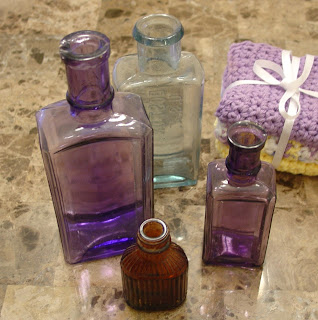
(241, 195)
(97, 153)
(170, 82)
(155, 270)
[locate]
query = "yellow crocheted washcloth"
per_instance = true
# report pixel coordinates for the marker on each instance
(286, 165)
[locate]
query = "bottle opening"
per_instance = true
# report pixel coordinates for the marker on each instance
(158, 30)
(247, 139)
(84, 45)
(247, 135)
(153, 229)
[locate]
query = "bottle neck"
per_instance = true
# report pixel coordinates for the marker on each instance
(243, 163)
(158, 43)
(242, 166)
(85, 54)
(88, 84)
(158, 59)
(153, 236)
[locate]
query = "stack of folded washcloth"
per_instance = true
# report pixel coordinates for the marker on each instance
(259, 103)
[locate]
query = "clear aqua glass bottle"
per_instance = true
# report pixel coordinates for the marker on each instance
(170, 82)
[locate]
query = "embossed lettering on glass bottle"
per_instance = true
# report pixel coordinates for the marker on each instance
(170, 82)
(97, 153)
(154, 270)
(241, 195)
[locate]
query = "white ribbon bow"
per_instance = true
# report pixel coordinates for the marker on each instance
(290, 83)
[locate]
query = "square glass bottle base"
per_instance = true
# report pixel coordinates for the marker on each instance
(233, 249)
(172, 181)
(175, 170)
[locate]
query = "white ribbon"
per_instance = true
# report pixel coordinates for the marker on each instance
(291, 84)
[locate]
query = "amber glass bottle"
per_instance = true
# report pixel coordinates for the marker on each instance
(154, 270)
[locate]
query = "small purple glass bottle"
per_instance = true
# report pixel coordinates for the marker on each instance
(97, 153)
(241, 196)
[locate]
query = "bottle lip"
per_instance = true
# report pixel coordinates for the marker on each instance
(143, 30)
(153, 239)
(250, 127)
(96, 45)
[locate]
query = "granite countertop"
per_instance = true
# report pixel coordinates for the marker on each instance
(35, 282)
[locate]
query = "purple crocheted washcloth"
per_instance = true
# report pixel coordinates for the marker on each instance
(259, 103)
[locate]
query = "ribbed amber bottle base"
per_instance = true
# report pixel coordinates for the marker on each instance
(161, 294)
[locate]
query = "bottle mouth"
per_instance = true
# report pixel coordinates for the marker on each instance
(247, 135)
(153, 230)
(84, 45)
(158, 30)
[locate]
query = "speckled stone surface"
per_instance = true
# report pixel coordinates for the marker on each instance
(35, 282)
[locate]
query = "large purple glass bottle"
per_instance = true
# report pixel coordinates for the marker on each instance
(241, 196)
(97, 153)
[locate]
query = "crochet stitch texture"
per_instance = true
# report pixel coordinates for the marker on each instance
(259, 103)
